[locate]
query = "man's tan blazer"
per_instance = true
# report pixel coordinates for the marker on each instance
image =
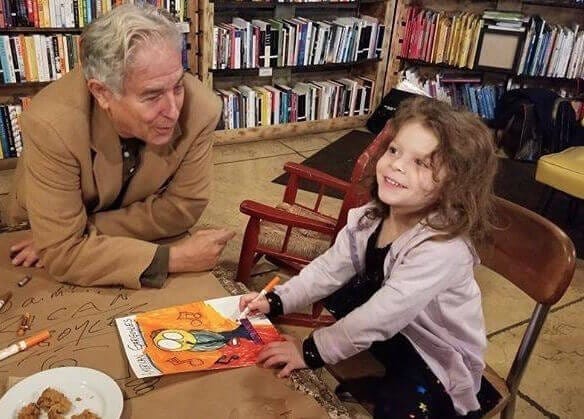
(71, 173)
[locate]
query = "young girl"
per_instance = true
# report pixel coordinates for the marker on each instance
(399, 277)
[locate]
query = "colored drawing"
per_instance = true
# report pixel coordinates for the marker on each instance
(203, 335)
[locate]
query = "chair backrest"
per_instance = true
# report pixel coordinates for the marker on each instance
(536, 256)
(358, 193)
(531, 252)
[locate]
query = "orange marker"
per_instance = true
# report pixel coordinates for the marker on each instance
(24, 344)
(263, 292)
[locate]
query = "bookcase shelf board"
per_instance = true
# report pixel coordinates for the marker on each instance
(518, 77)
(569, 4)
(27, 86)
(33, 30)
(294, 69)
(230, 5)
(291, 129)
(233, 5)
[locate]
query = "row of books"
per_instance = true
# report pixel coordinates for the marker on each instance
(453, 38)
(459, 89)
(43, 58)
(10, 136)
(441, 37)
(295, 42)
(35, 58)
(71, 13)
(552, 50)
(251, 106)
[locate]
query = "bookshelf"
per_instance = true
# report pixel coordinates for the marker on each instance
(566, 16)
(39, 43)
(216, 13)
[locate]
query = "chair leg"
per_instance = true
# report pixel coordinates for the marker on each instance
(248, 257)
(546, 200)
(573, 211)
(509, 409)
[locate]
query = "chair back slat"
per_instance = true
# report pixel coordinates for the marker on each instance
(319, 198)
(358, 193)
(291, 189)
(531, 252)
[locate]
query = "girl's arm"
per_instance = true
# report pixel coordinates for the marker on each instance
(425, 272)
(321, 277)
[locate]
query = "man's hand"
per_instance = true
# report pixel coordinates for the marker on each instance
(287, 354)
(24, 253)
(200, 252)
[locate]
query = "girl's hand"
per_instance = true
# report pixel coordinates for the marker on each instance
(260, 305)
(287, 354)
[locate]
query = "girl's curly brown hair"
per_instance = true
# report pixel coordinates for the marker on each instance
(466, 150)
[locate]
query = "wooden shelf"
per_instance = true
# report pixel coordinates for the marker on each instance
(373, 68)
(451, 67)
(227, 72)
(555, 3)
(508, 73)
(271, 132)
(524, 77)
(326, 4)
(229, 5)
(8, 164)
(26, 85)
(40, 30)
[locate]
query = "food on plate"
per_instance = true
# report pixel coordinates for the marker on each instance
(56, 404)
(30, 411)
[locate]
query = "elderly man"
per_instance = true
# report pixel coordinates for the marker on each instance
(117, 156)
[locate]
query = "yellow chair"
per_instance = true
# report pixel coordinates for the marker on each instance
(564, 172)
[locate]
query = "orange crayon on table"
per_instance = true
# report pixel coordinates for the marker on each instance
(24, 344)
(262, 293)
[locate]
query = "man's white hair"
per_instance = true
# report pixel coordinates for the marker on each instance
(109, 43)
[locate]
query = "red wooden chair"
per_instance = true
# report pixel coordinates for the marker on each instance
(292, 234)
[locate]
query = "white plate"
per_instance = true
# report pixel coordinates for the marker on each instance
(97, 391)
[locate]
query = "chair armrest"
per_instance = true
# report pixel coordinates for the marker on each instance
(314, 175)
(275, 215)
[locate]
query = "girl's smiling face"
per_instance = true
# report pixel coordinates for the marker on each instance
(405, 173)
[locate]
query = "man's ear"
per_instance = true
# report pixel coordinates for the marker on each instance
(100, 92)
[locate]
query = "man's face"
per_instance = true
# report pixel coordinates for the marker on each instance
(152, 95)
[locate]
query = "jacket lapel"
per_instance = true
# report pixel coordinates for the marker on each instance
(156, 166)
(107, 164)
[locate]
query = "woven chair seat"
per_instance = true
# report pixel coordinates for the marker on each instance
(302, 243)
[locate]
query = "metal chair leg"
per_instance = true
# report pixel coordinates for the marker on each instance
(573, 211)
(546, 200)
(509, 409)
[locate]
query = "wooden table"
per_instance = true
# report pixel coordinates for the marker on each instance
(84, 334)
